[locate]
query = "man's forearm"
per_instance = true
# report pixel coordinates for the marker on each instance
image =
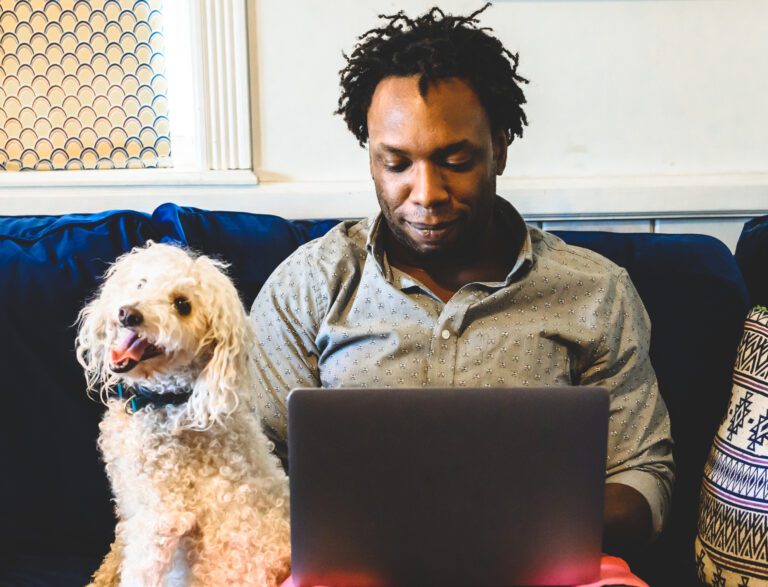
(627, 519)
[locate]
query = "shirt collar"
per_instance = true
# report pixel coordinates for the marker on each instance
(511, 221)
(514, 222)
(374, 244)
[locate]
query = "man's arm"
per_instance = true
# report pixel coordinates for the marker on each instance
(285, 317)
(627, 522)
(640, 470)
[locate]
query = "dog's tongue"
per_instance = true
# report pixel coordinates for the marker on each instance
(130, 347)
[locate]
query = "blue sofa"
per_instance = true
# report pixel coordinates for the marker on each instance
(55, 512)
(752, 257)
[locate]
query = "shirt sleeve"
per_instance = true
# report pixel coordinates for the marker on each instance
(285, 316)
(639, 437)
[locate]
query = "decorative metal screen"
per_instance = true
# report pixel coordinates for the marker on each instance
(82, 85)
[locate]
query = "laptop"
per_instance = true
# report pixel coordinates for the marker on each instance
(436, 486)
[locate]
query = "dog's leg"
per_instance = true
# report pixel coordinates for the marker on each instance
(237, 564)
(108, 574)
(243, 547)
(152, 549)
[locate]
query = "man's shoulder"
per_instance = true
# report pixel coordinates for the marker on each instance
(332, 257)
(589, 277)
(310, 277)
(554, 253)
(344, 242)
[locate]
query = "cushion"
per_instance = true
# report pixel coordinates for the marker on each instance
(733, 510)
(34, 570)
(54, 495)
(752, 257)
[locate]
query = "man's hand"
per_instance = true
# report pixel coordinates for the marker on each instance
(627, 521)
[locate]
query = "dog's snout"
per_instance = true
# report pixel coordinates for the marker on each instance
(129, 316)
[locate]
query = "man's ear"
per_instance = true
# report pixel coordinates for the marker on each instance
(500, 147)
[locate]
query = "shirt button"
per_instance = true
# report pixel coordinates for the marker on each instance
(445, 334)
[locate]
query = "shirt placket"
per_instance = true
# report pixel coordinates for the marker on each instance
(446, 334)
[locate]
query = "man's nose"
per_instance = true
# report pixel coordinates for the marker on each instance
(428, 189)
(129, 316)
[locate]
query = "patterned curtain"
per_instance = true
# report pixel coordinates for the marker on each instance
(82, 85)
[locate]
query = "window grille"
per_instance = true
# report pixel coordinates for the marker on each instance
(82, 85)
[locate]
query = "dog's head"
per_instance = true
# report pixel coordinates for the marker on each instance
(168, 320)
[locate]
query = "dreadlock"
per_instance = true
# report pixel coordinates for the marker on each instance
(434, 46)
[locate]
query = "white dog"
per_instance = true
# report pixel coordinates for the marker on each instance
(200, 499)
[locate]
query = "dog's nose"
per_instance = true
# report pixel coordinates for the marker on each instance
(129, 316)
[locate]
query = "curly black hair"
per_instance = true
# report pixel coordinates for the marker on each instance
(435, 46)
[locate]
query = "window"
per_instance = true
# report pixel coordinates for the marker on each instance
(186, 104)
(83, 88)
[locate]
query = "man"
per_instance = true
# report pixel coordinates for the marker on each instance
(447, 286)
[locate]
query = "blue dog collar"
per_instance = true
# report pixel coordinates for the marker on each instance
(138, 397)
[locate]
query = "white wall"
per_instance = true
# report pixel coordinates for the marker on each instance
(618, 87)
(644, 115)
(638, 109)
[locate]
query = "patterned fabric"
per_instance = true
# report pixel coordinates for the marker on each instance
(732, 541)
(337, 314)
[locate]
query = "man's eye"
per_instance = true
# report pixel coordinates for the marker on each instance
(395, 166)
(459, 164)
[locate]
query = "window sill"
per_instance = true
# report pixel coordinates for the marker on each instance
(109, 178)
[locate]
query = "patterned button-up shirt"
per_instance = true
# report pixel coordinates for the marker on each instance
(336, 313)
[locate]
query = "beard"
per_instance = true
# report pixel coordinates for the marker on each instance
(461, 248)
(471, 232)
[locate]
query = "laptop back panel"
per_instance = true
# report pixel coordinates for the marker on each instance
(447, 486)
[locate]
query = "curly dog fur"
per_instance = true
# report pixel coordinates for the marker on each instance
(200, 499)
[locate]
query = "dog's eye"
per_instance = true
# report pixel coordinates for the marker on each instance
(141, 283)
(182, 305)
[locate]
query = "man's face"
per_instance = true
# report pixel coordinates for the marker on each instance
(434, 163)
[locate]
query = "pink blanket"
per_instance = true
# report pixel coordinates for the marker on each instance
(613, 571)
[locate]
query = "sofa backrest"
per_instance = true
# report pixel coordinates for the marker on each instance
(752, 257)
(54, 495)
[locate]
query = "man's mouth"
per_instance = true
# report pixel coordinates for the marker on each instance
(432, 231)
(131, 350)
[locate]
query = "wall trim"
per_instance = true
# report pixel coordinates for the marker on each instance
(123, 179)
(540, 199)
(223, 34)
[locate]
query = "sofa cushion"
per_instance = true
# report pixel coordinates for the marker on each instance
(752, 257)
(733, 512)
(53, 494)
(36, 570)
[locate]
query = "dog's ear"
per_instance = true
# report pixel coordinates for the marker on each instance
(91, 348)
(215, 394)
